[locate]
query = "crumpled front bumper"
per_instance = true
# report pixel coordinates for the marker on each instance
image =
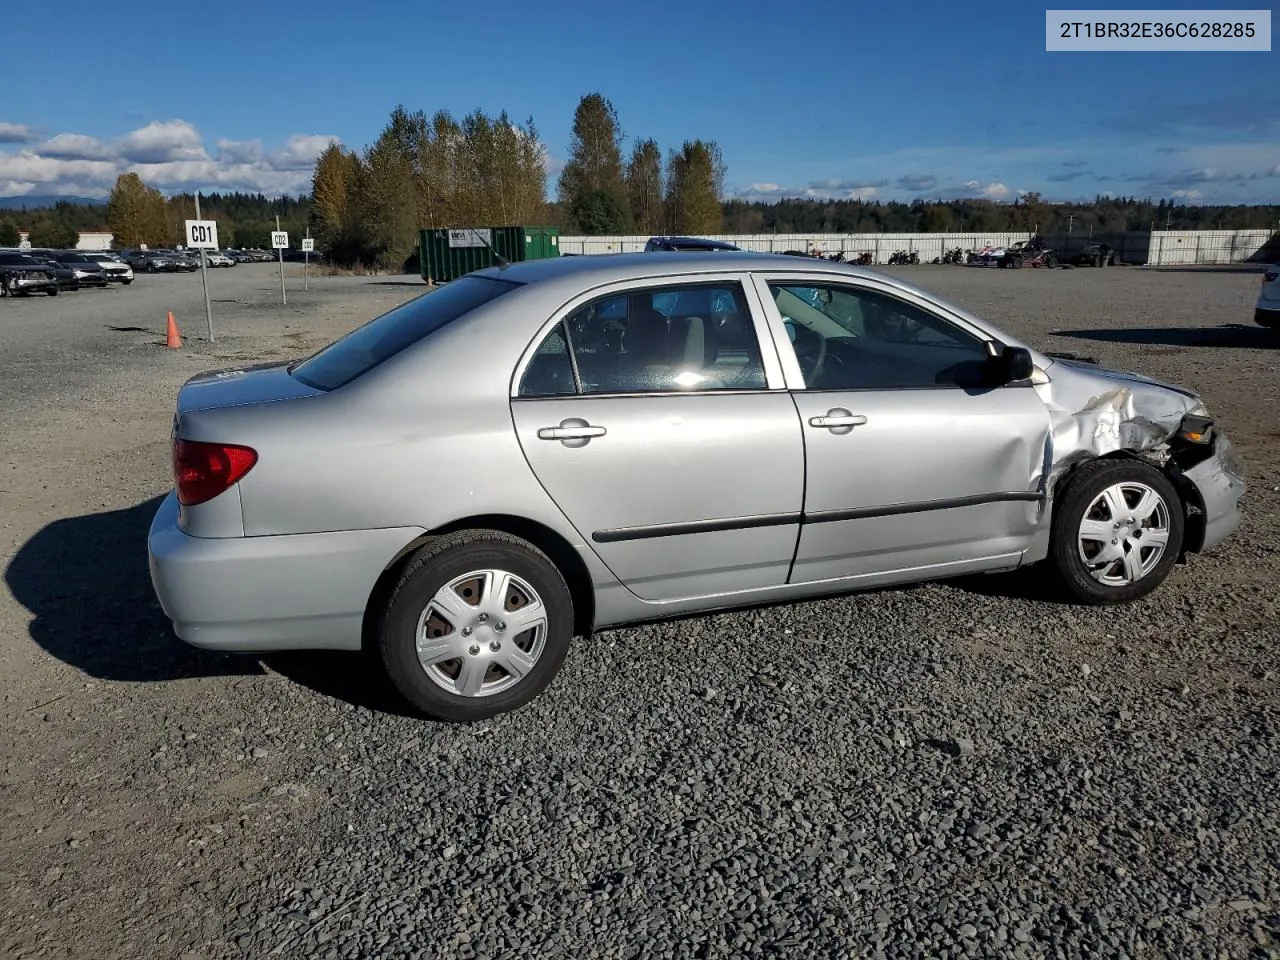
(1219, 487)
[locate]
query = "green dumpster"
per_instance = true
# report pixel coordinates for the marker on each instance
(446, 254)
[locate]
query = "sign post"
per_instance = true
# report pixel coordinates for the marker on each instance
(280, 240)
(203, 235)
(307, 246)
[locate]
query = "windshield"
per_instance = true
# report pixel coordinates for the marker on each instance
(382, 338)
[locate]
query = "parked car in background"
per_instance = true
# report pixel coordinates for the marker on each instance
(1029, 253)
(687, 245)
(661, 437)
(184, 260)
(213, 258)
(116, 270)
(21, 274)
(239, 256)
(156, 261)
(1096, 255)
(1267, 313)
(65, 276)
(88, 271)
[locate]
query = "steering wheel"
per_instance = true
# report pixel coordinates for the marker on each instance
(811, 351)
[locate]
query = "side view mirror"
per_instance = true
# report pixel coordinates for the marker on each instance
(1013, 364)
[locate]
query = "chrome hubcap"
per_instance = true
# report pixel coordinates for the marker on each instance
(1124, 534)
(481, 633)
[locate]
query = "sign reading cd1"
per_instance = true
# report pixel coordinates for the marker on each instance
(202, 234)
(279, 240)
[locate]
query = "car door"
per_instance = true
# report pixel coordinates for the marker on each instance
(668, 439)
(915, 464)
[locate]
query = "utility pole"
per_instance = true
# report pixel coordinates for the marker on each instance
(284, 299)
(204, 277)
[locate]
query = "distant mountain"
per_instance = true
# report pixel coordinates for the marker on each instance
(37, 203)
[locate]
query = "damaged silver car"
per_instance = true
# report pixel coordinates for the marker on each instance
(538, 450)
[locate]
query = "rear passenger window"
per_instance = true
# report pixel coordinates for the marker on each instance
(680, 338)
(550, 372)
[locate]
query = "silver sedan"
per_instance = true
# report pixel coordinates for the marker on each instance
(540, 450)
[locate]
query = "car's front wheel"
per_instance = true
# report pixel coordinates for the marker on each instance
(477, 625)
(51, 291)
(1117, 532)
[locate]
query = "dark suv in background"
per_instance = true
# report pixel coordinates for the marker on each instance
(686, 244)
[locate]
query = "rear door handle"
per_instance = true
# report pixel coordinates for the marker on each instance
(837, 418)
(573, 432)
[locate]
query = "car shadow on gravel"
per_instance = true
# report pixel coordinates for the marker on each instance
(86, 582)
(1027, 583)
(1238, 335)
(354, 678)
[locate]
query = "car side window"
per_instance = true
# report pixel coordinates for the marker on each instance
(854, 338)
(679, 338)
(550, 372)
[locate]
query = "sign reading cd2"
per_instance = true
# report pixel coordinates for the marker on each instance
(279, 240)
(202, 234)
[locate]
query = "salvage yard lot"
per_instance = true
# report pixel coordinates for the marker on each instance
(961, 768)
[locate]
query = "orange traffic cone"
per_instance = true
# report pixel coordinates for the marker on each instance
(172, 337)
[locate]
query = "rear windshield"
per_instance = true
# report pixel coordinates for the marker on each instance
(382, 338)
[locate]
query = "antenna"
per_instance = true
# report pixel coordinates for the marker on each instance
(503, 262)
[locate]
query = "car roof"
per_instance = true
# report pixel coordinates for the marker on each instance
(570, 275)
(591, 269)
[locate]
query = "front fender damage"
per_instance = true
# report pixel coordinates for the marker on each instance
(1094, 412)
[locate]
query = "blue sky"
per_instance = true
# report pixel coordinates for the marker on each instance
(888, 101)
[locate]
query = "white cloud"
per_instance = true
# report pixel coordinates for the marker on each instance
(300, 151)
(1190, 196)
(995, 191)
(15, 133)
(29, 166)
(239, 151)
(76, 146)
(161, 142)
(170, 155)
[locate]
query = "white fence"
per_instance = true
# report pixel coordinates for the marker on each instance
(1211, 246)
(1160, 247)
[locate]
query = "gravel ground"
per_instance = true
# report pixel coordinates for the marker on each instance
(955, 769)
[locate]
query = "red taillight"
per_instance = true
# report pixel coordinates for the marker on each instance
(201, 471)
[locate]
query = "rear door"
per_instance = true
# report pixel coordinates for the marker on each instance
(652, 417)
(914, 466)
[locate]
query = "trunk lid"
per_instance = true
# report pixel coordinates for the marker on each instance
(235, 386)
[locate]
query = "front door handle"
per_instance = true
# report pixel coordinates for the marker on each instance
(838, 420)
(573, 432)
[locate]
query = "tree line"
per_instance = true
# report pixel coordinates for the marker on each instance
(434, 172)
(1028, 213)
(137, 214)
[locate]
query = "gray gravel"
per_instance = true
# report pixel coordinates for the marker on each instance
(950, 770)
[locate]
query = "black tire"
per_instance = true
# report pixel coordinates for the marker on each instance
(151, 268)
(431, 569)
(52, 291)
(1017, 263)
(127, 282)
(1082, 488)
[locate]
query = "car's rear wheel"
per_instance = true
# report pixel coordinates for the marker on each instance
(52, 291)
(1117, 532)
(477, 625)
